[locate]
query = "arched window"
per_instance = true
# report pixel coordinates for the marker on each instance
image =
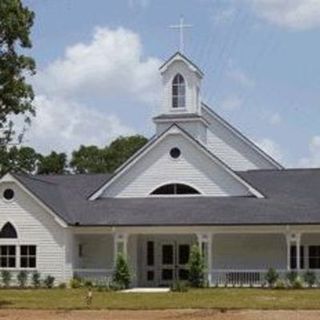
(175, 188)
(178, 92)
(8, 232)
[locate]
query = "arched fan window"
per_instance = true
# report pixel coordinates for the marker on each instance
(178, 92)
(175, 188)
(8, 232)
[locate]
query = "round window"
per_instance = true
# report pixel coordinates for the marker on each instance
(175, 153)
(8, 194)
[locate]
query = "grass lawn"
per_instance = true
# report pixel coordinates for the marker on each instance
(197, 299)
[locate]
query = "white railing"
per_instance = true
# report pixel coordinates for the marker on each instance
(96, 275)
(232, 277)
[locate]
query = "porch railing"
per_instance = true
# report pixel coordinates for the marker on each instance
(233, 277)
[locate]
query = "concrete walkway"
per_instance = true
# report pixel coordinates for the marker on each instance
(147, 290)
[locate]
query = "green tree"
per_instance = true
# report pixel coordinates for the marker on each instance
(14, 159)
(53, 163)
(16, 94)
(121, 274)
(196, 268)
(121, 150)
(88, 159)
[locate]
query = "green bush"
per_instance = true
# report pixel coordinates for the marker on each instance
(297, 283)
(22, 278)
(280, 284)
(291, 277)
(271, 277)
(179, 286)
(36, 282)
(75, 283)
(196, 268)
(6, 277)
(62, 285)
(310, 278)
(49, 281)
(121, 274)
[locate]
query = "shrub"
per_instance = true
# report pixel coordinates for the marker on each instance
(179, 286)
(22, 278)
(297, 283)
(292, 276)
(6, 277)
(88, 283)
(121, 274)
(280, 284)
(75, 283)
(49, 281)
(271, 277)
(62, 285)
(196, 268)
(36, 279)
(310, 278)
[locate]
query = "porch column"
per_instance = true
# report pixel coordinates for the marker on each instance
(120, 241)
(205, 246)
(288, 238)
(298, 238)
(293, 239)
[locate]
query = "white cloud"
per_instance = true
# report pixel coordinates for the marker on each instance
(138, 3)
(313, 160)
(293, 14)
(275, 119)
(111, 64)
(239, 76)
(109, 68)
(64, 125)
(271, 148)
(223, 15)
(231, 103)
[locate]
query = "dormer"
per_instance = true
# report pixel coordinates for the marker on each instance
(181, 83)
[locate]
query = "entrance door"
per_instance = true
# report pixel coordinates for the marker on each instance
(174, 262)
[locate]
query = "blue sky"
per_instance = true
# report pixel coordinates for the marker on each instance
(97, 69)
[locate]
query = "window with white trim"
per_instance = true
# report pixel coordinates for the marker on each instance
(28, 256)
(178, 92)
(175, 188)
(8, 256)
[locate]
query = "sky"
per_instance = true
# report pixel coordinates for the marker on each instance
(97, 69)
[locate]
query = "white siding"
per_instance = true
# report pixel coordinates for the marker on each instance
(193, 167)
(37, 227)
(249, 251)
(97, 251)
(232, 150)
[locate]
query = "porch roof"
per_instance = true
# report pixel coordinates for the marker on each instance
(291, 197)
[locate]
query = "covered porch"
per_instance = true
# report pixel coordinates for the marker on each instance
(234, 256)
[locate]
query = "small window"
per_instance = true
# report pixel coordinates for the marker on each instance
(175, 188)
(150, 253)
(7, 256)
(175, 153)
(8, 194)
(178, 92)
(8, 232)
(314, 257)
(28, 256)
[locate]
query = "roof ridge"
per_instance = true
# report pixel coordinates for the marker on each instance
(33, 177)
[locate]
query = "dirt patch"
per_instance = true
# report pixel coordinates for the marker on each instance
(158, 315)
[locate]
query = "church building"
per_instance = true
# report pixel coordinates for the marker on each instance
(198, 181)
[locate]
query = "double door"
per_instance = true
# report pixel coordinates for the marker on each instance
(174, 258)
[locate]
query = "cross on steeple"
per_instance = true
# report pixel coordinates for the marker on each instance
(181, 26)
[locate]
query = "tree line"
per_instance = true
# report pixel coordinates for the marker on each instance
(86, 159)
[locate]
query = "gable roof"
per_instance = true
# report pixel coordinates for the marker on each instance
(292, 197)
(179, 56)
(241, 136)
(177, 129)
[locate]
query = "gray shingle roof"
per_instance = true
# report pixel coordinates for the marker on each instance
(292, 197)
